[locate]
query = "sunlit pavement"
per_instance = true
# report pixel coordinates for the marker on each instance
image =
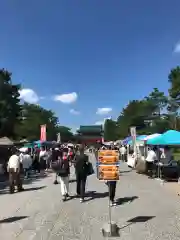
(146, 210)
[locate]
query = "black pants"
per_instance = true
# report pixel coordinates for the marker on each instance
(36, 165)
(81, 185)
(150, 168)
(112, 190)
(14, 179)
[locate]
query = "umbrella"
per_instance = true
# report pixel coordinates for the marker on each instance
(23, 149)
(151, 136)
(5, 141)
(170, 137)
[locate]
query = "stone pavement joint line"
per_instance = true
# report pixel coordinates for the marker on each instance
(146, 210)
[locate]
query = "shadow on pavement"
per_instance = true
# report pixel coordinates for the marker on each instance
(12, 219)
(94, 195)
(121, 201)
(126, 171)
(34, 188)
(34, 177)
(138, 219)
(6, 190)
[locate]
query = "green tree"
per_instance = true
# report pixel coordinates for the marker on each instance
(145, 114)
(9, 104)
(134, 114)
(65, 132)
(33, 116)
(174, 96)
(110, 130)
(174, 80)
(157, 100)
(157, 117)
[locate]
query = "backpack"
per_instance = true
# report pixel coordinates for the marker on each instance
(62, 167)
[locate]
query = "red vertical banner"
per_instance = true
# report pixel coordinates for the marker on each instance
(43, 133)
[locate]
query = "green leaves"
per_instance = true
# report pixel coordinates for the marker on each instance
(33, 116)
(24, 121)
(9, 104)
(174, 80)
(110, 130)
(146, 114)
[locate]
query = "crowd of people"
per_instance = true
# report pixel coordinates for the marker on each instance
(61, 160)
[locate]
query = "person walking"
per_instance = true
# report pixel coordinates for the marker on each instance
(122, 152)
(63, 173)
(81, 163)
(42, 158)
(36, 162)
(26, 161)
(14, 169)
(112, 192)
(55, 156)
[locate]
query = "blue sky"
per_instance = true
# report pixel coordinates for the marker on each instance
(101, 53)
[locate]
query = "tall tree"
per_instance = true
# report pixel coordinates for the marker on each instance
(156, 103)
(110, 130)
(65, 132)
(33, 116)
(9, 104)
(174, 95)
(157, 100)
(174, 80)
(134, 114)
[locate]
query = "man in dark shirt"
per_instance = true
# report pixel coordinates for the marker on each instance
(81, 162)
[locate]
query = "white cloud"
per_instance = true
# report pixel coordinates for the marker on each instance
(28, 95)
(66, 98)
(99, 123)
(73, 111)
(177, 48)
(42, 98)
(103, 111)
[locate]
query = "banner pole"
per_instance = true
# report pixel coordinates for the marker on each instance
(110, 216)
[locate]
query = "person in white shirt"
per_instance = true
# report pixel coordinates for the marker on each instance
(122, 152)
(26, 161)
(150, 159)
(14, 169)
(42, 158)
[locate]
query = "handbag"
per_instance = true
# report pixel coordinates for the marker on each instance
(56, 165)
(89, 169)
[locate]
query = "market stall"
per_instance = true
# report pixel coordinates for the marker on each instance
(166, 167)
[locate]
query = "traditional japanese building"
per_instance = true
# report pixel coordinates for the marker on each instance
(90, 134)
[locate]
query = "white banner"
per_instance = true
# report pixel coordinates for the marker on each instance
(59, 137)
(133, 135)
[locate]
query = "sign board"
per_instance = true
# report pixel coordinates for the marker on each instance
(108, 165)
(133, 133)
(108, 172)
(43, 133)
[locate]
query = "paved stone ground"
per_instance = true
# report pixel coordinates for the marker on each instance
(147, 210)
